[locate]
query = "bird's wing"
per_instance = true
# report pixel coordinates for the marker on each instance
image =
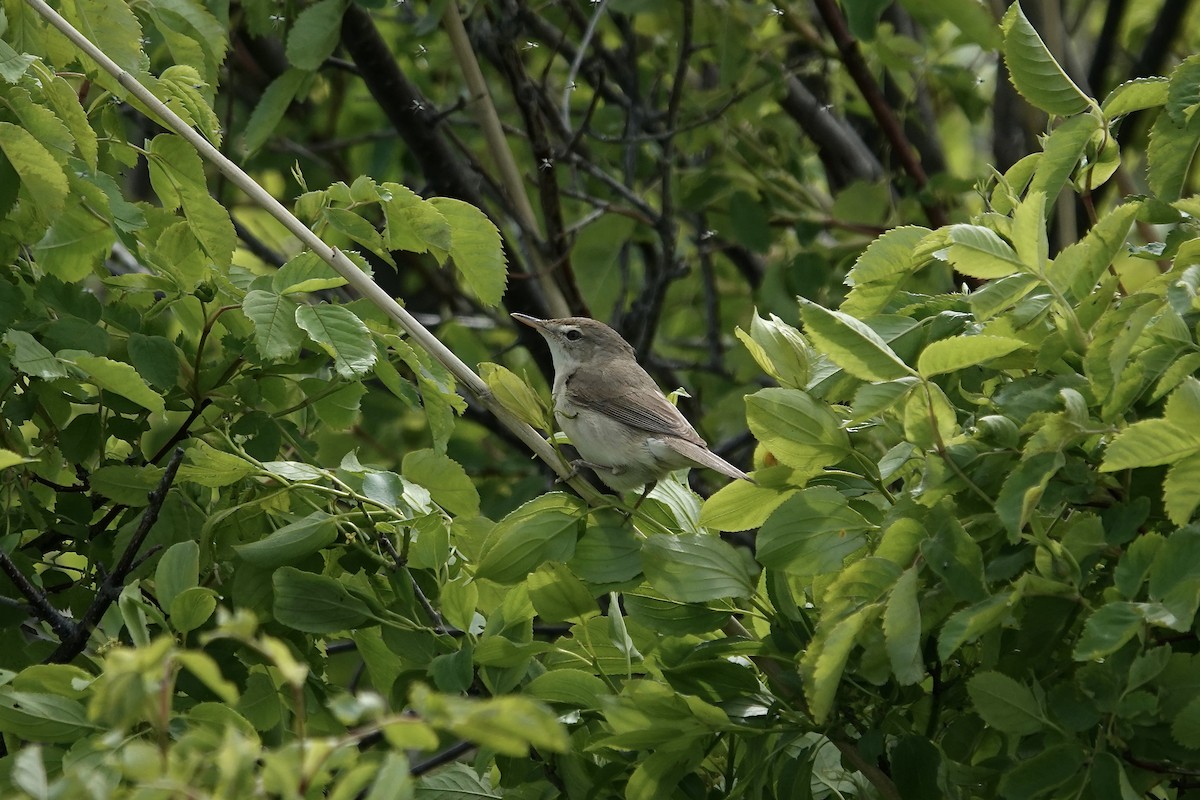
(634, 400)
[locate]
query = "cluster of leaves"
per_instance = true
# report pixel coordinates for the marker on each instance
(975, 571)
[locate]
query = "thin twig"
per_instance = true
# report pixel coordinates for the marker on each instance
(576, 62)
(856, 65)
(75, 641)
(60, 624)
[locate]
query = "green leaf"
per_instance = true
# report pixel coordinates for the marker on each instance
(42, 179)
(31, 357)
(179, 87)
(155, 358)
(1175, 578)
(541, 530)
(1169, 156)
(970, 623)
(851, 344)
(1004, 704)
(12, 63)
(75, 244)
(1042, 773)
(1107, 630)
(812, 533)
(214, 468)
(955, 556)
(1034, 72)
(1062, 153)
(1181, 489)
(1185, 727)
(292, 542)
(510, 725)
(902, 630)
(10, 459)
(798, 430)
(571, 687)
(177, 174)
(1023, 490)
(125, 484)
(952, 355)
(1138, 94)
(43, 717)
(342, 335)
(112, 26)
(741, 506)
(271, 108)
(191, 608)
(314, 35)
(305, 272)
(695, 568)
(878, 273)
(825, 661)
(314, 603)
(413, 224)
(357, 229)
(475, 248)
(980, 253)
(559, 596)
(1149, 443)
(447, 482)
(515, 395)
(177, 571)
(276, 334)
(1080, 266)
(116, 377)
(779, 349)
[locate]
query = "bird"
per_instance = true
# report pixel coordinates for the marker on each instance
(624, 427)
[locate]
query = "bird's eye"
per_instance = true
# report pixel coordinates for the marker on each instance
(574, 334)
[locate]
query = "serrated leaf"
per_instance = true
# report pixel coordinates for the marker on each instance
(179, 86)
(42, 179)
(968, 624)
(1185, 727)
(952, 355)
(1034, 72)
(208, 466)
(156, 358)
(1080, 266)
(342, 335)
(1107, 629)
(1040, 774)
(1169, 156)
(31, 357)
(475, 248)
(112, 26)
(1005, 704)
(980, 253)
(12, 63)
(826, 660)
(851, 344)
(126, 484)
(1138, 94)
(271, 108)
(305, 272)
(1181, 490)
(1149, 443)
(447, 482)
(1061, 154)
(276, 334)
(695, 568)
(314, 35)
(413, 223)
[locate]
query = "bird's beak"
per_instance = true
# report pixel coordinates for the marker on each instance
(533, 322)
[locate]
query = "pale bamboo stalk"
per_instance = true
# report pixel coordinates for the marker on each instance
(484, 109)
(366, 287)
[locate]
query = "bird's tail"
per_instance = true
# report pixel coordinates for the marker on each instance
(704, 457)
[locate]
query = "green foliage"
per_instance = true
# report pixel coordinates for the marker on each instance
(968, 565)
